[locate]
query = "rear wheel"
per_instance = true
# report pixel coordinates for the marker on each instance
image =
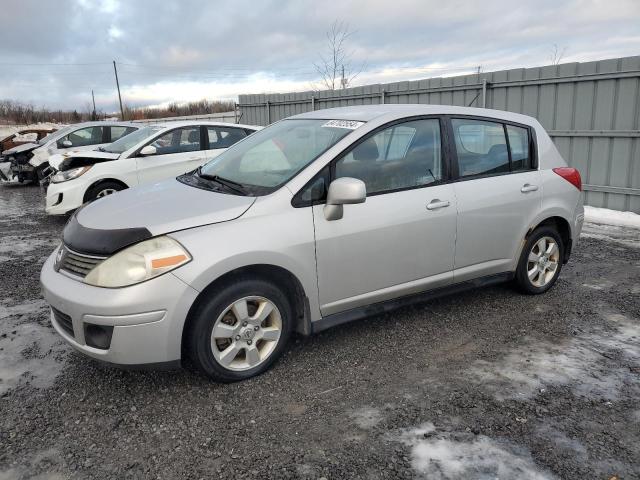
(102, 190)
(241, 331)
(541, 261)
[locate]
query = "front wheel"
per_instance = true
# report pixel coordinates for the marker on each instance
(541, 261)
(241, 331)
(102, 190)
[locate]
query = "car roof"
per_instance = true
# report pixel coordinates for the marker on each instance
(104, 123)
(366, 113)
(189, 123)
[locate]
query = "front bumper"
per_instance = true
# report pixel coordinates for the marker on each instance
(147, 318)
(64, 197)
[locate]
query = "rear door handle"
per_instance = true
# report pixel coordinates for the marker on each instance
(528, 188)
(436, 204)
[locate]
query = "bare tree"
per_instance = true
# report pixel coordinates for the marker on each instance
(335, 67)
(557, 54)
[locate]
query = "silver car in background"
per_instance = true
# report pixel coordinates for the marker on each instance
(317, 220)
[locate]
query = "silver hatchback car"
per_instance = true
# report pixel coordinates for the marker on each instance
(317, 220)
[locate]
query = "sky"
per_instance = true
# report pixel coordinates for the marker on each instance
(53, 53)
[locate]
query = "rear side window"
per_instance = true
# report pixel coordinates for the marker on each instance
(481, 147)
(224, 137)
(519, 145)
(119, 132)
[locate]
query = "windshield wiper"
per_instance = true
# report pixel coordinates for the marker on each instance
(101, 149)
(230, 184)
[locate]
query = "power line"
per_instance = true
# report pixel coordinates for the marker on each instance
(51, 64)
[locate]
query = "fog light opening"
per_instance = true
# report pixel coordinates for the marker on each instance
(58, 200)
(98, 336)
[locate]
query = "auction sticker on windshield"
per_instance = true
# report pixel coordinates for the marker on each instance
(349, 124)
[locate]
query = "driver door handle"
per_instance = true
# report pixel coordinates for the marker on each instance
(527, 187)
(437, 203)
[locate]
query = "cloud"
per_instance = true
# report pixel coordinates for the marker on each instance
(170, 50)
(115, 33)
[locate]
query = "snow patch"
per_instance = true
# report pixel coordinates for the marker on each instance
(366, 417)
(30, 350)
(48, 460)
(587, 363)
(448, 455)
(20, 246)
(611, 217)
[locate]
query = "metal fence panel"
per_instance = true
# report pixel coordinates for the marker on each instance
(590, 109)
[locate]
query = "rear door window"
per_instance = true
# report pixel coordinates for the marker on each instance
(119, 132)
(224, 137)
(481, 147)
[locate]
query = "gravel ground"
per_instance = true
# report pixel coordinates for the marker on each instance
(486, 384)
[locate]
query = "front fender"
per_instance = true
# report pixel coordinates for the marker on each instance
(285, 240)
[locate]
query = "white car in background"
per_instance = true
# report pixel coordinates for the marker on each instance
(30, 161)
(151, 154)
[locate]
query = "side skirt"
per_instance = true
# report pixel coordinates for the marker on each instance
(382, 307)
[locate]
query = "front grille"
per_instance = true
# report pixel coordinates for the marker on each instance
(78, 264)
(64, 321)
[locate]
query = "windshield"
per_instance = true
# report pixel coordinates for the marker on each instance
(274, 155)
(57, 134)
(129, 141)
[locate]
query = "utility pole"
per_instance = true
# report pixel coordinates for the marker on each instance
(343, 81)
(93, 116)
(115, 70)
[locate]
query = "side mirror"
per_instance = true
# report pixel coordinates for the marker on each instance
(148, 150)
(343, 191)
(67, 144)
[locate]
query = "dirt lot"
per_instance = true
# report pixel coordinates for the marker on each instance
(487, 384)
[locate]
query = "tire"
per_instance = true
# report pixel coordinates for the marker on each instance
(102, 189)
(241, 336)
(535, 277)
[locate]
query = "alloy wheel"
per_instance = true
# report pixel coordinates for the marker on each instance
(105, 192)
(246, 333)
(543, 261)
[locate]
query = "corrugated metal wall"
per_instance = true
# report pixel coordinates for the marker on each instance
(591, 110)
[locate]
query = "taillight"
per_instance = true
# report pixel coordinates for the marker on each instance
(571, 175)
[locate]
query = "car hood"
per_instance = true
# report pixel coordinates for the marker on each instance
(25, 147)
(69, 160)
(129, 216)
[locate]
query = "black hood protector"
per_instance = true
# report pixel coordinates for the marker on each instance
(91, 241)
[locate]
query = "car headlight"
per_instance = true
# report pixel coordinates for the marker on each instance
(69, 174)
(138, 263)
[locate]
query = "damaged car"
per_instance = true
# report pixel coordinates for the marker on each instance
(27, 135)
(30, 161)
(151, 154)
